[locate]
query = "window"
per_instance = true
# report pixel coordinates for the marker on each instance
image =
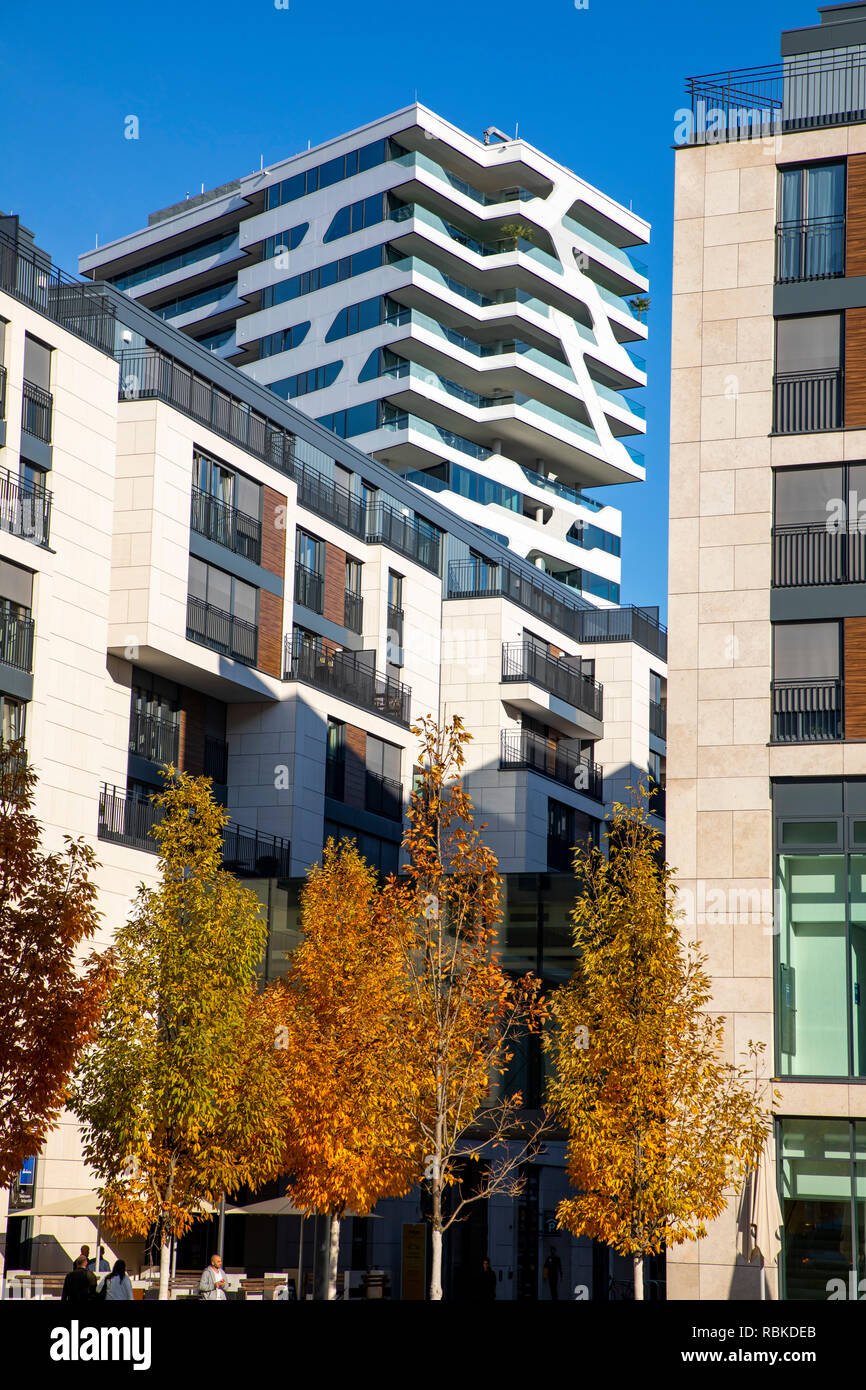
(812, 982)
(806, 651)
(365, 213)
(37, 363)
(822, 1206)
(383, 758)
(324, 175)
(224, 591)
(285, 340)
(316, 379)
(358, 419)
(591, 537)
(215, 246)
(12, 718)
(395, 591)
(284, 241)
(309, 552)
(657, 688)
(186, 303)
(356, 318)
(383, 855)
(810, 240)
(230, 488)
(335, 760)
(808, 381)
(812, 344)
(353, 577)
(321, 276)
(805, 496)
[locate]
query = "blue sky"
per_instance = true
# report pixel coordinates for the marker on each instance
(216, 86)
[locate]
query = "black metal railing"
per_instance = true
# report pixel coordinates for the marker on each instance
(25, 508)
(84, 309)
(226, 525)
(807, 711)
(16, 640)
(806, 402)
(350, 676)
(129, 820)
(543, 598)
(353, 612)
(525, 661)
(319, 494)
(309, 589)
(658, 719)
(803, 92)
(383, 796)
(147, 374)
(818, 553)
(810, 248)
(222, 632)
(37, 408)
(2, 392)
(521, 748)
(216, 759)
(153, 738)
(408, 535)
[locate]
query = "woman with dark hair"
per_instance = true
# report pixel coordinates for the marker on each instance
(117, 1288)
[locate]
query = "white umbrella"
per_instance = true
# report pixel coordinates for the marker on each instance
(764, 1219)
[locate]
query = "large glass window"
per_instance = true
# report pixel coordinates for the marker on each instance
(805, 496)
(811, 232)
(812, 983)
(805, 651)
(12, 718)
(812, 344)
(818, 1207)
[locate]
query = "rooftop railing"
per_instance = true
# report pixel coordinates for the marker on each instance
(148, 374)
(803, 92)
(79, 307)
(624, 625)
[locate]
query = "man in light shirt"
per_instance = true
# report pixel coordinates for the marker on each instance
(212, 1285)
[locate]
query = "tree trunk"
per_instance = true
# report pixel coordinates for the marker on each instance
(436, 1266)
(333, 1255)
(638, 1276)
(164, 1267)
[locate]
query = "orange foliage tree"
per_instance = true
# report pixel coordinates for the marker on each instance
(340, 1021)
(50, 995)
(661, 1127)
(466, 1012)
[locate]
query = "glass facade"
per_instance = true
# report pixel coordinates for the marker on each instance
(322, 275)
(823, 1191)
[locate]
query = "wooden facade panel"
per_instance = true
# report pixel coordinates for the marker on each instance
(193, 707)
(855, 678)
(855, 367)
(335, 584)
(354, 793)
(270, 633)
(274, 514)
(855, 217)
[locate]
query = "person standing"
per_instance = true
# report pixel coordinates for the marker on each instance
(118, 1288)
(552, 1273)
(212, 1285)
(79, 1286)
(104, 1266)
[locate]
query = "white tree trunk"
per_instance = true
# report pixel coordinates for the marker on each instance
(164, 1269)
(436, 1267)
(638, 1276)
(333, 1256)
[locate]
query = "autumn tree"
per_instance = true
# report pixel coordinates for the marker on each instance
(660, 1126)
(51, 992)
(341, 1028)
(179, 1095)
(467, 1013)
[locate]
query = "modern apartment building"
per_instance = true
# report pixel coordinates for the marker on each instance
(465, 310)
(767, 780)
(193, 571)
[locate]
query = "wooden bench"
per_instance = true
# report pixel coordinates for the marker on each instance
(261, 1288)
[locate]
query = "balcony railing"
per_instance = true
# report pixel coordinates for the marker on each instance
(349, 676)
(309, 589)
(624, 625)
(353, 612)
(36, 412)
(383, 796)
(658, 719)
(25, 509)
(222, 632)
(409, 535)
(520, 748)
(216, 759)
(16, 640)
(226, 525)
(524, 661)
(807, 711)
(811, 248)
(817, 553)
(129, 820)
(806, 402)
(147, 374)
(153, 738)
(81, 308)
(319, 494)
